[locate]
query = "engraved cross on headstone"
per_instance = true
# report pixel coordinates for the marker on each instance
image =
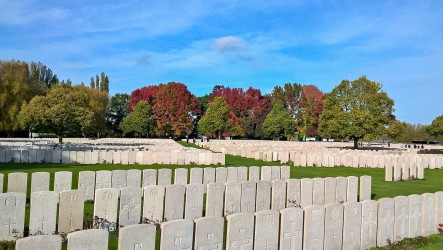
(242, 240)
(42, 221)
(10, 226)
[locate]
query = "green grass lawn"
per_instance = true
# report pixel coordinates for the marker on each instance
(433, 178)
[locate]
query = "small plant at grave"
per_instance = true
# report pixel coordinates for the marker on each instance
(64, 237)
(7, 245)
(293, 203)
(410, 243)
(156, 223)
(192, 163)
(89, 201)
(228, 213)
(102, 223)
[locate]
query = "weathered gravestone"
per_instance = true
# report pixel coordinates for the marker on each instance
(242, 174)
(70, 213)
(314, 224)
(32, 156)
(278, 194)
(154, 197)
(351, 225)
(209, 233)
(174, 202)
(341, 189)
(428, 214)
(365, 187)
(134, 178)
(306, 187)
(139, 157)
(130, 206)
(285, 173)
(164, 177)
(132, 157)
(267, 225)
(105, 208)
(17, 182)
(240, 231)
(62, 181)
(103, 179)
(266, 173)
(39, 242)
(12, 211)
(248, 195)
(181, 176)
(124, 157)
(1, 182)
(221, 175)
(194, 201)
(333, 226)
(86, 184)
(196, 176)
(438, 207)
(401, 219)
(415, 215)
(263, 200)
(117, 157)
(56, 156)
(275, 173)
(233, 198)
(352, 189)
(16, 158)
(2, 156)
(39, 181)
(231, 174)
(254, 174)
(96, 239)
(149, 177)
(80, 157)
(291, 229)
(43, 213)
(397, 172)
(47, 156)
(119, 179)
(293, 193)
(385, 230)
(177, 234)
(318, 191)
(137, 237)
(214, 199)
(330, 190)
(208, 175)
(368, 236)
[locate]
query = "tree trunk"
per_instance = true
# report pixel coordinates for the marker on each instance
(60, 140)
(355, 143)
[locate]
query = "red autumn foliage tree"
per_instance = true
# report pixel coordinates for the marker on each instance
(146, 93)
(310, 109)
(174, 108)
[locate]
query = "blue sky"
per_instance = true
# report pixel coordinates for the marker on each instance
(238, 44)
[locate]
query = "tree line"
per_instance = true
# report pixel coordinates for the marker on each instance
(33, 99)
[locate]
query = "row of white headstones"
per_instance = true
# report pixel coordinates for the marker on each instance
(156, 204)
(351, 225)
(201, 157)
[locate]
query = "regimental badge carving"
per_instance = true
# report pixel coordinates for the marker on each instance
(11, 201)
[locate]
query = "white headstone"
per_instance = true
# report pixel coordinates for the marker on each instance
(17, 182)
(293, 193)
(208, 175)
(214, 199)
(415, 215)
(240, 231)
(351, 225)
(134, 178)
(12, 219)
(291, 229)
(119, 179)
(330, 190)
(105, 208)
(149, 177)
(174, 202)
(385, 220)
(306, 187)
(266, 173)
(62, 181)
(352, 189)
(130, 206)
(232, 174)
(103, 179)
(181, 176)
(70, 213)
(1, 183)
(365, 187)
(401, 220)
(233, 198)
(254, 174)
(56, 156)
(242, 174)
(86, 184)
(428, 214)
(314, 224)
(39, 242)
(124, 157)
(263, 201)
(43, 213)
(438, 207)
(77, 157)
(209, 233)
(368, 234)
(164, 176)
(177, 234)
(248, 195)
(333, 226)
(194, 201)
(267, 225)
(196, 176)
(137, 237)
(39, 182)
(341, 189)
(397, 172)
(318, 191)
(153, 200)
(285, 173)
(278, 194)
(275, 173)
(96, 239)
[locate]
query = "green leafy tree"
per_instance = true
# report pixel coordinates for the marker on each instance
(278, 123)
(436, 127)
(356, 109)
(118, 110)
(216, 120)
(140, 122)
(396, 129)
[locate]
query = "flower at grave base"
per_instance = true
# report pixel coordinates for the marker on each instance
(440, 225)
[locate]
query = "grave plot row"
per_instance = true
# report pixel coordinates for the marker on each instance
(351, 225)
(405, 171)
(115, 208)
(200, 157)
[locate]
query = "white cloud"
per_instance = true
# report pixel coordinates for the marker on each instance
(229, 44)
